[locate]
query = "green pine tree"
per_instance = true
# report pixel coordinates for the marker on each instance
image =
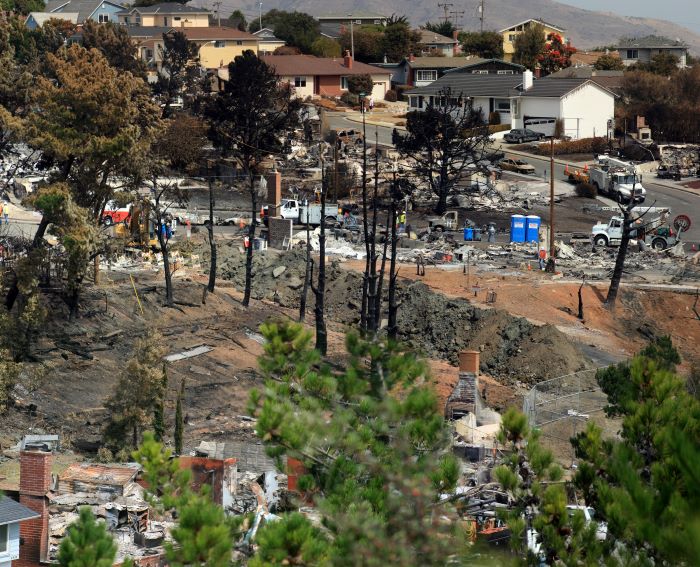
(645, 484)
(87, 544)
(159, 409)
(375, 462)
(179, 422)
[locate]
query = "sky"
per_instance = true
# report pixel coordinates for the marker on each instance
(683, 12)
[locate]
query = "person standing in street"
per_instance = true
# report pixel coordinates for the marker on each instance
(541, 257)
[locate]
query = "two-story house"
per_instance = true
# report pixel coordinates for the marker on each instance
(641, 50)
(267, 41)
(11, 514)
(512, 32)
(166, 14)
(101, 11)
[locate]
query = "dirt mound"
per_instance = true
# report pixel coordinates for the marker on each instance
(513, 349)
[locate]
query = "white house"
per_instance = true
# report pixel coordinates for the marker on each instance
(584, 107)
(11, 514)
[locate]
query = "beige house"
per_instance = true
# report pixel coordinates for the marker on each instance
(167, 15)
(512, 32)
(267, 41)
(219, 46)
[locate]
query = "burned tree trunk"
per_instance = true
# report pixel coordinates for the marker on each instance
(393, 330)
(251, 238)
(364, 319)
(307, 273)
(212, 243)
(372, 307)
(580, 299)
(382, 271)
(621, 256)
(320, 289)
(163, 244)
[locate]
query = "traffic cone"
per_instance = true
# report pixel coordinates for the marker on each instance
(585, 168)
(566, 170)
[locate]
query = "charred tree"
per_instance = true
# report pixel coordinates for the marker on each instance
(212, 243)
(442, 141)
(320, 289)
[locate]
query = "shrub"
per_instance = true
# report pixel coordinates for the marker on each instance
(391, 96)
(586, 190)
(400, 90)
(582, 146)
(494, 118)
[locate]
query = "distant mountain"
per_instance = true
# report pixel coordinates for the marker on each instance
(586, 28)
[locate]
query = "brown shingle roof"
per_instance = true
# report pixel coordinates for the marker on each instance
(81, 473)
(214, 33)
(589, 57)
(427, 36)
(296, 65)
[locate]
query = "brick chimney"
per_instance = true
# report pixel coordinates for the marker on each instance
(411, 57)
(34, 484)
(463, 398)
(347, 59)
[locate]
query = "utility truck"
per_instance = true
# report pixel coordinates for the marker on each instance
(297, 210)
(618, 179)
(655, 232)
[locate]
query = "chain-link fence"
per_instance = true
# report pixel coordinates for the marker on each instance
(561, 407)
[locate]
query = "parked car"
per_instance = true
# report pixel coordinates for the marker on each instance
(517, 165)
(521, 135)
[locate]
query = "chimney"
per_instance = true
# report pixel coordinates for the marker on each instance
(34, 484)
(274, 193)
(411, 58)
(347, 59)
(462, 400)
(527, 80)
(469, 361)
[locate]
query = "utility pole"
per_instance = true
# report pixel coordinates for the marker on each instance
(457, 17)
(446, 7)
(260, 16)
(352, 39)
(217, 6)
(481, 15)
(551, 263)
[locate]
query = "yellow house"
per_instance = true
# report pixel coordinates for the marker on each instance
(165, 15)
(220, 46)
(509, 35)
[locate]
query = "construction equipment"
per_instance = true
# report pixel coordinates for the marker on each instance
(655, 233)
(448, 221)
(618, 179)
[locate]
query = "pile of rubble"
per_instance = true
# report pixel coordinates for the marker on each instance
(684, 159)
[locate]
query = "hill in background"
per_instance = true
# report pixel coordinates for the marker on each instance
(586, 28)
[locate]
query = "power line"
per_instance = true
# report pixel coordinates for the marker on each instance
(481, 14)
(446, 7)
(457, 15)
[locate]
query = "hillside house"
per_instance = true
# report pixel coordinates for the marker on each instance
(101, 11)
(642, 50)
(11, 515)
(512, 32)
(435, 44)
(37, 19)
(166, 14)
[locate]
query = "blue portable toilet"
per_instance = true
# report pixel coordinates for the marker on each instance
(468, 234)
(517, 228)
(532, 228)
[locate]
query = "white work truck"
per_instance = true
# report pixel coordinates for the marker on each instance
(302, 211)
(618, 179)
(655, 232)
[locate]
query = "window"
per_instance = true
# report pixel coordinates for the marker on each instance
(632, 54)
(149, 54)
(358, 22)
(377, 22)
(426, 75)
(511, 37)
(414, 101)
(126, 20)
(176, 18)
(502, 104)
(344, 83)
(480, 72)
(4, 536)
(239, 42)
(299, 81)
(165, 21)
(505, 72)
(219, 43)
(137, 19)
(103, 18)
